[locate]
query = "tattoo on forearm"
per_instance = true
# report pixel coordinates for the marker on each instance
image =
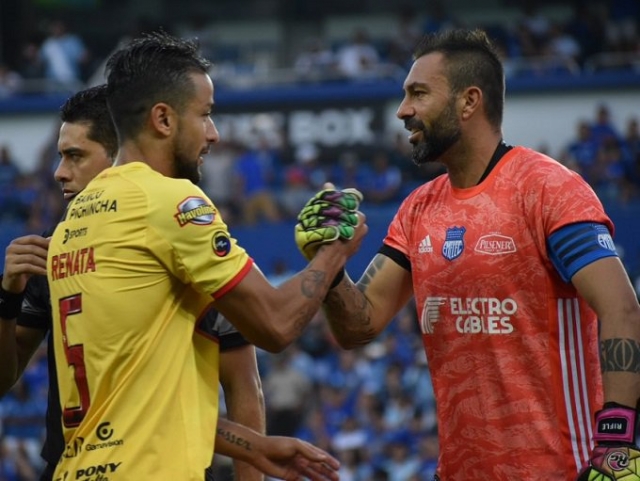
(357, 319)
(618, 355)
(233, 439)
(312, 282)
(371, 271)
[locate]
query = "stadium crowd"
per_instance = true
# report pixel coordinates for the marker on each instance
(373, 407)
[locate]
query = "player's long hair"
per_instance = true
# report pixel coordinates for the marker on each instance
(472, 60)
(90, 106)
(150, 69)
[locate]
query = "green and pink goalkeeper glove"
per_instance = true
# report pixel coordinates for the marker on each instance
(327, 216)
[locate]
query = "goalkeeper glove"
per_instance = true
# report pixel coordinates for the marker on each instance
(346, 199)
(615, 457)
(326, 217)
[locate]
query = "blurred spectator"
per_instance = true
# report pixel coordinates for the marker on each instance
(401, 464)
(316, 61)
(9, 171)
(218, 177)
(408, 34)
(351, 435)
(438, 18)
(336, 405)
(11, 207)
(13, 469)
(428, 449)
(255, 173)
(608, 173)
(632, 138)
(385, 181)
(31, 67)
(354, 465)
(310, 166)
(535, 22)
(583, 150)
(359, 57)
(563, 47)
(23, 424)
(351, 172)
(286, 393)
(63, 54)
(10, 81)
(314, 429)
(295, 192)
(621, 24)
(603, 127)
(587, 28)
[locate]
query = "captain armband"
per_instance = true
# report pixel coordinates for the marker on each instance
(575, 246)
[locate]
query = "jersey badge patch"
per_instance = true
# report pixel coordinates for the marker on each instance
(221, 244)
(195, 210)
(453, 243)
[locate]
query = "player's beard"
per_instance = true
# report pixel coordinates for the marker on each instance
(444, 132)
(184, 165)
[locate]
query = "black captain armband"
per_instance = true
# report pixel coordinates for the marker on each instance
(10, 304)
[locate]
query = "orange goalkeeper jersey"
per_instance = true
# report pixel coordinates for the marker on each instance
(512, 349)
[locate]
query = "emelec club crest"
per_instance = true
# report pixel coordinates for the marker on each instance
(453, 243)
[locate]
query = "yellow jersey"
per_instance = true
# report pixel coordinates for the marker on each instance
(132, 268)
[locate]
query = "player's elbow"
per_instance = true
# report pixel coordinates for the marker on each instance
(273, 340)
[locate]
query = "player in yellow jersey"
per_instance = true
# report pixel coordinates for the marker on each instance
(147, 254)
(529, 322)
(87, 145)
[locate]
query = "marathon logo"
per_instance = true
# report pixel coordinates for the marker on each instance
(73, 263)
(195, 210)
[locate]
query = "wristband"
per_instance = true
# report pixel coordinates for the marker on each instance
(337, 279)
(615, 423)
(10, 304)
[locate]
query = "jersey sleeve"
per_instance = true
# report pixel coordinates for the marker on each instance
(559, 197)
(397, 237)
(228, 335)
(36, 307)
(190, 238)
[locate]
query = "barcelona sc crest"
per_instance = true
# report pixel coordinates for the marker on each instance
(453, 243)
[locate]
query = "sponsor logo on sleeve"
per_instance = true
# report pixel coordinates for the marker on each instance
(195, 210)
(221, 244)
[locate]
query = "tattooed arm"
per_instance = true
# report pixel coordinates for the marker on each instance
(272, 318)
(357, 313)
(277, 456)
(605, 285)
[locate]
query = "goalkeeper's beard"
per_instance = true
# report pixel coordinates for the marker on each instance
(445, 131)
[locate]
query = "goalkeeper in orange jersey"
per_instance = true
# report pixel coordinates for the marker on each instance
(529, 322)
